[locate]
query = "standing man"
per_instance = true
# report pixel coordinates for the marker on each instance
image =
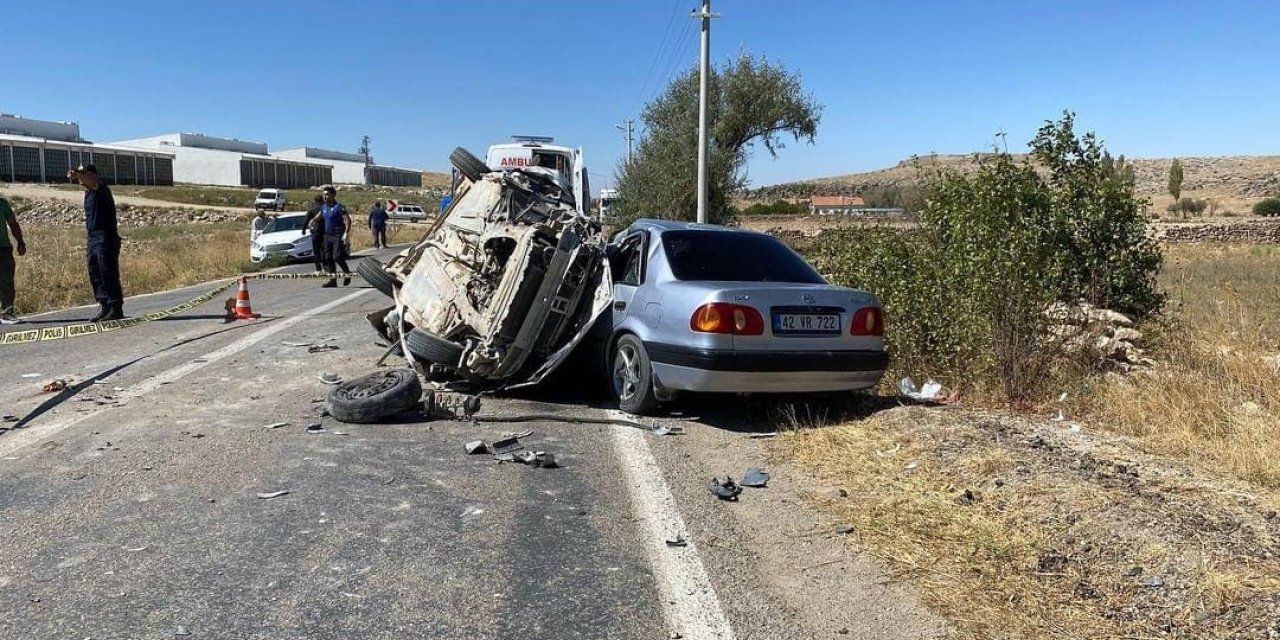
(103, 250)
(259, 223)
(314, 224)
(378, 225)
(337, 222)
(8, 223)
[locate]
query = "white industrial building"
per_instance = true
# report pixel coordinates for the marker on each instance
(350, 168)
(201, 159)
(43, 151)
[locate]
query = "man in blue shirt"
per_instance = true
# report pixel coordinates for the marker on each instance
(378, 225)
(337, 223)
(103, 250)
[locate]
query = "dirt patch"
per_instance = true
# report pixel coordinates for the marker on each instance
(1019, 529)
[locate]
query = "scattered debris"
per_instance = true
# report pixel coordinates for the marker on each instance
(724, 488)
(536, 459)
(330, 378)
(755, 477)
(1153, 582)
(321, 348)
(54, 386)
(30, 375)
(677, 541)
(276, 425)
(505, 445)
(967, 498)
(315, 428)
(1058, 416)
(297, 344)
(930, 392)
(1134, 572)
(664, 430)
(476, 447)
(375, 397)
(897, 446)
(844, 529)
(273, 494)
(522, 434)
(766, 434)
(9, 418)
(181, 631)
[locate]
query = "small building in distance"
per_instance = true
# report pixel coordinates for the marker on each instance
(349, 168)
(835, 205)
(44, 150)
(201, 159)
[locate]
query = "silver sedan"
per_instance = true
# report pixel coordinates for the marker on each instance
(706, 308)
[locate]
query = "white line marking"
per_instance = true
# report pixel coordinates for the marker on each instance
(689, 601)
(14, 441)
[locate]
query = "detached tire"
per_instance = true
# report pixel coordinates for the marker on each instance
(631, 375)
(468, 165)
(377, 277)
(433, 348)
(375, 396)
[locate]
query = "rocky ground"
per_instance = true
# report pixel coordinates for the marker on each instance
(66, 213)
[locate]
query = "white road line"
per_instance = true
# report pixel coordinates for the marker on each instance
(15, 441)
(689, 601)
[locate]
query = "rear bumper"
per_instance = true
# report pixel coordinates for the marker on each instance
(716, 371)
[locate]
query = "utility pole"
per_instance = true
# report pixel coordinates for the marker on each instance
(627, 126)
(364, 149)
(704, 69)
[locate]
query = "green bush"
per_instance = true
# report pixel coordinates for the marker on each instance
(775, 208)
(965, 294)
(1189, 206)
(1269, 207)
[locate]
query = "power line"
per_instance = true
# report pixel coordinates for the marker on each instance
(658, 53)
(682, 49)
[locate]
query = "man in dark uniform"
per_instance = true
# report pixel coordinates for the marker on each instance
(378, 225)
(337, 223)
(103, 250)
(314, 224)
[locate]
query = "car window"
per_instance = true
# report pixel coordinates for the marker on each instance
(730, 256)
(627, 264)
(291, 223)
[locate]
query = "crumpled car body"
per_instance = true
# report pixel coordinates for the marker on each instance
(511, 275)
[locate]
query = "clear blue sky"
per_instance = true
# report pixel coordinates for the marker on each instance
(1153, 78)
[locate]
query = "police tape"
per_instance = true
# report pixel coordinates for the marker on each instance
(82, 329)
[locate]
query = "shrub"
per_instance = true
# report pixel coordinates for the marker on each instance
(777, 207)
(965, 293)
(1269, 207)
(1189, 206)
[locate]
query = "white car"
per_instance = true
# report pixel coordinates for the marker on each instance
(285, 236)
(272, 199)
(408, 212)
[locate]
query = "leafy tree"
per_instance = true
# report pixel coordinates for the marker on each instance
(1269, 207)
(1175, 179)
(750, 102)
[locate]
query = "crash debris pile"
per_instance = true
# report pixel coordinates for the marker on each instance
(1108, 333)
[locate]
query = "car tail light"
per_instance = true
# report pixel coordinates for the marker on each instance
(867, 321)
(720, 317)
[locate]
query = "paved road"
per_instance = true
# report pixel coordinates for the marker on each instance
(129, 504)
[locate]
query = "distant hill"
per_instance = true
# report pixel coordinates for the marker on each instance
(1233, 181)
(435, 179)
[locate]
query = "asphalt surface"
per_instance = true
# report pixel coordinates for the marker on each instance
(130, 503)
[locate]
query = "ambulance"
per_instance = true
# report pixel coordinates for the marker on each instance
(540, 151)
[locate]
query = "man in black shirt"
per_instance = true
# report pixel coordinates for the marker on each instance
(103, 250)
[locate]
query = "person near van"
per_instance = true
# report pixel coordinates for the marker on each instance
(9, 224)
(314, 224)
(378, 225)
(337, 223)
(103, 249)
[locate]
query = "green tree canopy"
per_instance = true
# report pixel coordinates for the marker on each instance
(750, 101)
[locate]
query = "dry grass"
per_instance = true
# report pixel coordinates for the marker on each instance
(1012, 536)
(53, 274)
(1215, 399)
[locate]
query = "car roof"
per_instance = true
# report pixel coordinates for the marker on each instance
(291, 214)
(661, 226)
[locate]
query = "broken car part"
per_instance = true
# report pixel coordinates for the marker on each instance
(755, 477)
(376, 396)
(724, 488)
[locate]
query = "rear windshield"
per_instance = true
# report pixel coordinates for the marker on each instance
(734, 257)
(291, 223)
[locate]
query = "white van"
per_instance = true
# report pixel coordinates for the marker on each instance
(405, 211)
(538, 151)
(272, 199)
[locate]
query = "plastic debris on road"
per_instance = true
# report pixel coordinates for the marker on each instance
(273, 494)
(724, 488)
(276, 425)
(755, 477)
(677, 541)
(330, 378)
(315, 428)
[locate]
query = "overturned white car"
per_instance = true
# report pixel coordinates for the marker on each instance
(503, 285)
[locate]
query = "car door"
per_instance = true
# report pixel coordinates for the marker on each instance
(627, 264)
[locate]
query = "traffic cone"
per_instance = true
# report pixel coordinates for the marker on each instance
(243, 310)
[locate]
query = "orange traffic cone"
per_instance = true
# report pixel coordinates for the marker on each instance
(243, 310)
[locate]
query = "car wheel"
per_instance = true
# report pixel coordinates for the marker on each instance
(375, 396)
(433, 348)
(377, 277)
(468, 165)
(632, 376)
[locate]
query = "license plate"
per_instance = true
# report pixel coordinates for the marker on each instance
(807, 323)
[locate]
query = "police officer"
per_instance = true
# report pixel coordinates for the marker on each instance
(103, 250)
(337, 223)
